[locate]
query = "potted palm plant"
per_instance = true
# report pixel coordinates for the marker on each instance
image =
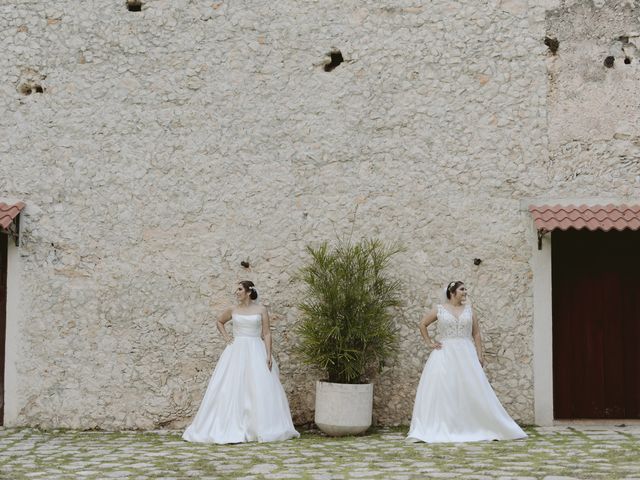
(347, 328)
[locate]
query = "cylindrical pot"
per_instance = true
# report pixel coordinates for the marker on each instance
(342, 408)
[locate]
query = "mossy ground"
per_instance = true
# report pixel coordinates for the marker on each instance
(577, 452)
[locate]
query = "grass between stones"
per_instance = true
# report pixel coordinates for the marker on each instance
(383, 453)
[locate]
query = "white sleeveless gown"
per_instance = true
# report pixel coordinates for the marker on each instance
(454, 401)
(244, 401)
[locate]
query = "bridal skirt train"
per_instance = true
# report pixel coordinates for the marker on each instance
(244, 401)
(455, 402)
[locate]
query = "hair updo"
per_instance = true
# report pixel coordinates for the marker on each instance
(249, 287)
(452, 287)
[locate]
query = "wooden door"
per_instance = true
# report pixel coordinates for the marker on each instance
(3, 315)
(596, 324)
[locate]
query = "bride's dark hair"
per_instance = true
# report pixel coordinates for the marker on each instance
(452, 287)
(249, 287)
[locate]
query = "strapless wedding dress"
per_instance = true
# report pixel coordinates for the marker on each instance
(244, 401)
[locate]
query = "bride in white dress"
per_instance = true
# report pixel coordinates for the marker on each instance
(244, 401)
(454, 401)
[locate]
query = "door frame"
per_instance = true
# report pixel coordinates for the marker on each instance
(542, 330)
(4, 251)
(12, 336)
(543, 306)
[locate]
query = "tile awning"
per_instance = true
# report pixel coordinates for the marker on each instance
(590, 217)
(9, 218)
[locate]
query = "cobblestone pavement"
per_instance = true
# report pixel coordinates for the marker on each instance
(548, 453)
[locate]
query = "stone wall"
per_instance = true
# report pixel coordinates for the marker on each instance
(594, 98)
(156, 150)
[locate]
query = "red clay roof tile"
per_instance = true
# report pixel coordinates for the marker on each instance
(8, 213)
(591, 217)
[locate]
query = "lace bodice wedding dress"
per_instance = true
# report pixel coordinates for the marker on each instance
(454, 401)
(244, 401)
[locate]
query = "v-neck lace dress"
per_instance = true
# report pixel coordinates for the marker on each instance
(454, 401)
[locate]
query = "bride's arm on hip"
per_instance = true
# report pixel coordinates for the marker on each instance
(266, 334)
(222, 319)
(477, 338)
(427, 320)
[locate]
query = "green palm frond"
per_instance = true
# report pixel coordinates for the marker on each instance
(346, 325)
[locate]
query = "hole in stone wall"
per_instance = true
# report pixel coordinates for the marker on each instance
(134, 5)
(28, 88)
(336, 59)
(608, 62)
(245, 264)
(627, 60)
(552, 43)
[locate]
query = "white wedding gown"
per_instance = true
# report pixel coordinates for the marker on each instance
(244, 401)
(454, 401)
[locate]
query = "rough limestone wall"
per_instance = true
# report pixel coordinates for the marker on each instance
(594, 99)
(156, 150)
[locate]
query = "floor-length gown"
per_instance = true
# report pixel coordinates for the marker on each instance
(244, 401)
(454, 401)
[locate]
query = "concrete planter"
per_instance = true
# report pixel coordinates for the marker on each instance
(343, 409)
